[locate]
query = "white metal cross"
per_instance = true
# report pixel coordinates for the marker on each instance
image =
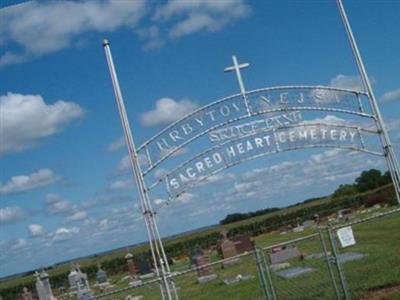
(237, 67)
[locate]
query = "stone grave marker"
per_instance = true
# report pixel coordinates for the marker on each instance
(228, 250)
(26, 294)
(294, 272)
(243, 244)
(204, 274)
(284, 254)
(350, 256)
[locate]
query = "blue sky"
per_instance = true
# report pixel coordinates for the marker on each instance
(65, 187)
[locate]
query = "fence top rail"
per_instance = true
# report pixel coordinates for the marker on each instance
(363, 220)
(291, 241)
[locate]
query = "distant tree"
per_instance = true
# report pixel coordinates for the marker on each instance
(369, 180)
(386, 178)
(345, 190)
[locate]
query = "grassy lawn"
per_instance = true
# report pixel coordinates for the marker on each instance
(378, 239)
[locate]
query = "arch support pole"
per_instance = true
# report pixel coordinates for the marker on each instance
(388, 151)
(168, 290)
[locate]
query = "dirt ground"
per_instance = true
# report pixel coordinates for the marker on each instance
(391, 293)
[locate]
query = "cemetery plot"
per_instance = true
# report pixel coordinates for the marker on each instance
(300, 268)
(373, 263)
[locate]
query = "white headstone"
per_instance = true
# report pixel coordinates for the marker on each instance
(346, 236)
(43, 287)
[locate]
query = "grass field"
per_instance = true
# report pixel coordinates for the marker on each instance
(379, 270)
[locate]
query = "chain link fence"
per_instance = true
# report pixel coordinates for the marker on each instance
(321, 263)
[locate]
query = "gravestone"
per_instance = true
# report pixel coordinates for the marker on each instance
(144, 266)
(26, 294)
(101, 276)
(198, 259)
(298, 228)
(79, 284)
(196, 252)
(294, 272)
(243, 244)
(308, 224)
(284, 254)
(133, 271)
(43, 287)
(77, 279)
(350, 256)
(238, 278)
(228, 250)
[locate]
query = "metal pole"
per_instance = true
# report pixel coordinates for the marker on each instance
(263, 280)
(338, 264)
(269, 277)
(321, 237)
(155, 241)
(390, 156)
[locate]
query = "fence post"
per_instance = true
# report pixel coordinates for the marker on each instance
(328, 262)
(261, 275)
(338, 263)
(264, 274)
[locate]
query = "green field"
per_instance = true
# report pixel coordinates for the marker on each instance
(379, 270)
(378, 239)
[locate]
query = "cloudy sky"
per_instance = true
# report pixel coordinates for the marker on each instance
(65, 185)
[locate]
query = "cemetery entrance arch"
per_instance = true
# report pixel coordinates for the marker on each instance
(237, 134)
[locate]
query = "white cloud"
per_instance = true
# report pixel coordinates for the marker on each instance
(35, 229)
(160, 173)
(27, 119)
(10, 214)
(77, 216)
(58, 205)
(167, 111)
(330, 119)
(42, 27)
(116, 145)
(125, 163)
(19, 244)
(180, 151)
(121, 185)
(152, 37)
(21, 183)
(391, 95)
(159, 201)
(63, 234)
(185, 198)
(106, 200)
(193, 16)
(347, 82)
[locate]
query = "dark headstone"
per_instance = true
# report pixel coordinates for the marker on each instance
(144, 266)
(101, 276)
(201, 261)
(242, 243)
(195, 253)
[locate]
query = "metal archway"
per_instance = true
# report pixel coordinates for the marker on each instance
(244, 107)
